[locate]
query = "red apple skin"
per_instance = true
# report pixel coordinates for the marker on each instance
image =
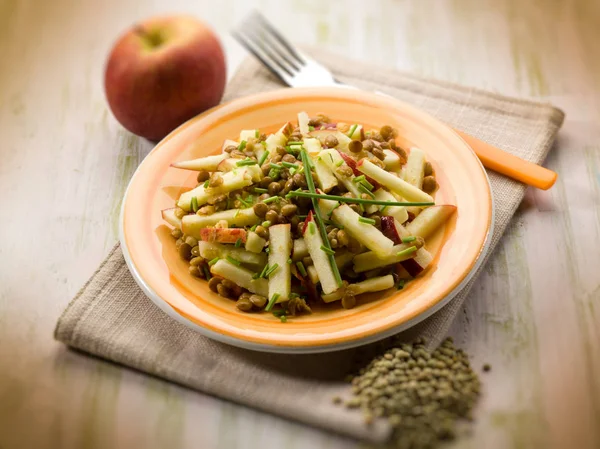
(153, 90)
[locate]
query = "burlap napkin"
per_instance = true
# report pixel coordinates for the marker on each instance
(111, 318)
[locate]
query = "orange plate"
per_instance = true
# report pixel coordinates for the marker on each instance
(152, 258)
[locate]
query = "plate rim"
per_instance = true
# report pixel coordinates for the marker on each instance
(309, 348)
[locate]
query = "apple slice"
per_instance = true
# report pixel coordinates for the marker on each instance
(280, 248)
(314, 242)
(343, 258)
(375, 284)
(313, 274)
(192, 224)
(254, 242)
(396, 185)
(303, 120)
(169, 216)
(388, 228)
(300, 250)
(210, 250)
(246, 134)
(207, 163)
(365, 233)
(327, 206)
(333, 160)
(240, 276)
(430, 219)
(343, 139)
(233, 180)
(230, 164)
(371, 260)
(222, 235)
(392, 160)
(415, 165)
(326, 180)
(398, 212)
(312, 145)
(351, 162)
(421, 261)
(358, 133)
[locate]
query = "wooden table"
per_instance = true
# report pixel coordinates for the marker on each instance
(65, 164)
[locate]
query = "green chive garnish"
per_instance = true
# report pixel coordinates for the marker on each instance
(339, 163)
(205, 185)
(244, 202)
(272, 301)
(264, 270)
(290, 150)
(367, 184)
(311, 228)
(333, 223)
(301, 268)
(256, 134)
(296, 143)
(352, 130)
(242, 145)
(207, 274)
(311, 128)
(275, 166)
(194, 204)
(253, 228)
(263, 158)
(363, 189)
(266, 224)
(400, 284)
(246, 162)
(327, 250)
(344, 199)
(283, 319)
(359, 178)
(409, 239)
(410, 250)
(289, 261)
(237, 212)
(319, 219)
(260, 190)
(273, 174)
(233, 261)
(331, 157)
(238, 243)
(383, 209)
(366, 220)
(279, 313)
(214, 261)
(270, 200)
(271, 270)
(267, 250)
(289, 165)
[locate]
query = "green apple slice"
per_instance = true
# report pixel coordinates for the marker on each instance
(254, 242)
(303, 120)
(392, 160)
(280, 248)
(241, 276)
(414, 169)
(169, 216)
(375, 284)
(398, 212)
(210, 250)
(192, 224)
(371, 260)
(207, 163)
(300, 250)
(314, 242)
(429, 220)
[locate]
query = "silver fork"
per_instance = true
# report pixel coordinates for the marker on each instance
(289, 64)
(296, 69)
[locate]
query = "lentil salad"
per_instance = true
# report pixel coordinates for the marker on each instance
(317, 212)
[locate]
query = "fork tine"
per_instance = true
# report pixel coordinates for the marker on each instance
(278, 37)
(276, 68)
(269, 46)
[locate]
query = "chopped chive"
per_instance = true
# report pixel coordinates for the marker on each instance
(410, 238)
(311, 228)
(270, 200)
(246, 162)
(292, 170)
(289, 165)
(275, 166)
(266, 224)
(319, 219)
(253, 228)
(301, 268)
(272, 301)
(237, 212)
(407, 251)
(383, 209)
(345, 199)
(290, 150)
(289, 261)
(330, 157)
(256, 134)
(194, 204)
(283, 319)
(339, 163)
(274, 174)
(267, 250)
(271, 270)
(264, 270)
(205, 185)
(363, 189)
(367, 184)
(250, 199)
(366, 220)
(400, 284)
(255, 275)
(279, 313)
(352, 129)
(207, 274)
(311, 128)
(333, 223)
(233, 261)
(214, 261)
(242, 145)
(238, 243)
(335, 207)
(244, 202)
(264, 144)
(359, 178)
(263, 158)
(302, 217)
(259, 190)
(295, 143)
(327, 250)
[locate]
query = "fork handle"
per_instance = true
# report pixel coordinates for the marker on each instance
(512, 166)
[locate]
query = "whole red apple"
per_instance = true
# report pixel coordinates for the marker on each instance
(163, 72)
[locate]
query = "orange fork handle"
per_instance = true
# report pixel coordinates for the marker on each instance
(512, 166)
